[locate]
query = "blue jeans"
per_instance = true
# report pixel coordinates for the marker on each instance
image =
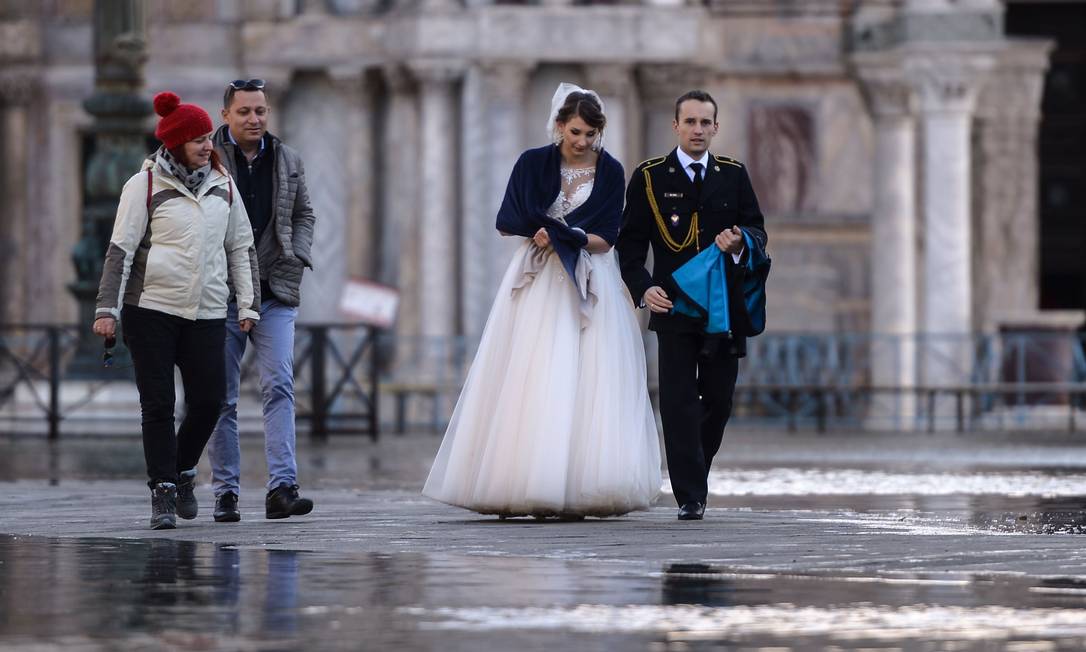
(273, 337)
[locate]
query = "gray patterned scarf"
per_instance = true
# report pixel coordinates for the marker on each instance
(192, 179)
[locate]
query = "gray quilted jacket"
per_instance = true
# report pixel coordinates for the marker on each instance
(284, 251)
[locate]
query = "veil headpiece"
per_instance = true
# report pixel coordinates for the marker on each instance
(560, 95)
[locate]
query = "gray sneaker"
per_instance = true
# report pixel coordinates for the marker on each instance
(187, 507)
(164, 506)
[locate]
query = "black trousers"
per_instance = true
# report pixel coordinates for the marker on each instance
(695, 403)
(158, 342)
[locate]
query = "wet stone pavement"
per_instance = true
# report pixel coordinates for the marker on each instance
(843, 542)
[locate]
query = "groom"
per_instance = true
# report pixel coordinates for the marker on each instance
(680, 204)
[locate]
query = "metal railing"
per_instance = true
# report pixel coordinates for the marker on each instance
(345, 373)
(43, 381)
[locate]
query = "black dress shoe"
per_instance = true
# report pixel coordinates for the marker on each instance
(692, 511)
(226, 508)
(283, 502)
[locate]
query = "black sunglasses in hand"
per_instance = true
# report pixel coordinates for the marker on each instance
(107, 353)
(247, 85)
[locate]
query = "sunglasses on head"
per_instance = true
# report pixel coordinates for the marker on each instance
(247, 85)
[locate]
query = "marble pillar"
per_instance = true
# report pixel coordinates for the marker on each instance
(946, 87)
(313, 103)
(398, 178)
(893, 243)
(1005, 200)
(15, 223)
(362, 230)
(614, 83)
(437, 190)
(493, 130)
(660, 85)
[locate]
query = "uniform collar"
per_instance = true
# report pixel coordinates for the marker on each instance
(685, 159)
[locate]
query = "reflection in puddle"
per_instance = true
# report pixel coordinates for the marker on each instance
(126, 594)
(807, 481)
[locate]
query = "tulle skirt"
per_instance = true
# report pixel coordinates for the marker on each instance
(554, 417)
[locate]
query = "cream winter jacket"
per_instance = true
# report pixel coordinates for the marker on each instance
(177, 259)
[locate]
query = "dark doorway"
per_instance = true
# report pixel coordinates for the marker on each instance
(1062, 148)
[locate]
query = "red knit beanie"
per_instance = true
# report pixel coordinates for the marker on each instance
(180, 123)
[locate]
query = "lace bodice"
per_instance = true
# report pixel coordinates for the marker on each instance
(576, 187)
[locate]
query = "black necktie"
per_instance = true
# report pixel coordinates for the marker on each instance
(696, 169)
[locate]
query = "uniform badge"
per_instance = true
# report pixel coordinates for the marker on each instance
(674, 219)
(716, 168)
(673, 195)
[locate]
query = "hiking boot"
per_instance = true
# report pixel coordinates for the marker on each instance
(187, 507)
(283, 501)
(226, 508)
(164, 506)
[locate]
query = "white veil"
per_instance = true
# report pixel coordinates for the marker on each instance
(560, 95)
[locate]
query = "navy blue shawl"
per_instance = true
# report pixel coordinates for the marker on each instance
(535, 183)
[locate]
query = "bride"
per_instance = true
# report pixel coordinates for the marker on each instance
(554, 417)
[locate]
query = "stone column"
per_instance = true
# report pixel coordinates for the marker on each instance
(946, 85)
(398, 178)
(314, 102)
(1006, 221)
(436, 178)
(503, 86)
(660, 85)
(361, 228)
(614, 83)
(15, 267)
(893, 244)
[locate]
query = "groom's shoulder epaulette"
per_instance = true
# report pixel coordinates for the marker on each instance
(727, 160)
(652, 162)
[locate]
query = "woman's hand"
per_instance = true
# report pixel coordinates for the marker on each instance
(246, 325)
(105, 326)
(541, 238)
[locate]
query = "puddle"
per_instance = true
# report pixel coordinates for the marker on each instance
(134, 594)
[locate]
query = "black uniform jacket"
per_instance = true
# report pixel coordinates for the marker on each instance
(660, 199)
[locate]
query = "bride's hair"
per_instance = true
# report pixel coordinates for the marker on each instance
(584, 106)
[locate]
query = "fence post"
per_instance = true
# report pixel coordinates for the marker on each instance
(54, 382)
(319, 342)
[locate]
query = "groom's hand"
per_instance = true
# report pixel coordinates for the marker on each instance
(656, 299)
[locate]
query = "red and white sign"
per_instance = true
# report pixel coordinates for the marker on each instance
(369, 303)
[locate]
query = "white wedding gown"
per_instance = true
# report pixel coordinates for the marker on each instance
(554, 417)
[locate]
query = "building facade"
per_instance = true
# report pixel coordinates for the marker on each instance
(893, 144)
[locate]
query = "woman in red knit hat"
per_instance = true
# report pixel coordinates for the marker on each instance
(180, 235)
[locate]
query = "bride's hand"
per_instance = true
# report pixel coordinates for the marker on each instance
(541, 239)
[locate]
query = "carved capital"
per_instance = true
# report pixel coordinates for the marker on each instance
(946, 82)
(662, 84)
(1014, 88)
(436, 71)
(17, 88)
(506, 80)
(397, 78)
(610, 79)
(886, 90)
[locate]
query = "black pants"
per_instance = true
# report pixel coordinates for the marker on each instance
(159, 341)
(695, 403)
